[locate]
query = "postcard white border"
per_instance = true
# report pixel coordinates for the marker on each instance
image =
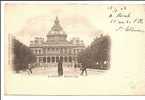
(51, 2)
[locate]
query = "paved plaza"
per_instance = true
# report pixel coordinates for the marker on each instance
(67, 71)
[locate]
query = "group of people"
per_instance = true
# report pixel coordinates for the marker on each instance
(60, 68)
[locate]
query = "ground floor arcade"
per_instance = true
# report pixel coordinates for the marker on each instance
(52, 61)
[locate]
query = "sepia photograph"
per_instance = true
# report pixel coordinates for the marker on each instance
(55, 55)
(74, 49)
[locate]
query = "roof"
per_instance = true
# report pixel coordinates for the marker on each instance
(56, 44)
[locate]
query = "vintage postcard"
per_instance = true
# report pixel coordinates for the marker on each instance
(74, 49)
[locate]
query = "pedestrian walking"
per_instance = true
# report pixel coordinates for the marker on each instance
(83, 69)
(30, 68)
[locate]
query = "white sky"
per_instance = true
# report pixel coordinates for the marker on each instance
(29, 21)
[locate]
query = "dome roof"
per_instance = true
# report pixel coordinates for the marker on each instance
(56, 28)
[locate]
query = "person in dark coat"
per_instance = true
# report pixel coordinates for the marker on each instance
(75, 65)
(83, 69)
(30, 68)
(60, 68)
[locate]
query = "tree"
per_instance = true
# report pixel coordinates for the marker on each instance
(97, 52)
(22, 55)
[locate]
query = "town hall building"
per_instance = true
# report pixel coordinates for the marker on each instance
(56, 47)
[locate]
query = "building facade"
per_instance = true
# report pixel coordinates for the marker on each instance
(56, 47)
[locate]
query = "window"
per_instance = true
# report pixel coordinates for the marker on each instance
(53, 49)
(77, 41)
(74, 58)
(77, 50)
(61, 50)
(56, 49)
(35, 52)
(74, 51)
(53, 59)
(39, 51)
(69, 51)
(40, 59)
(65, 59)
(65, 50)
(44, 50)
(48, 49)
(61, 59)
(70, 59)
(57, 59)
(44, 59)
(48, 59)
